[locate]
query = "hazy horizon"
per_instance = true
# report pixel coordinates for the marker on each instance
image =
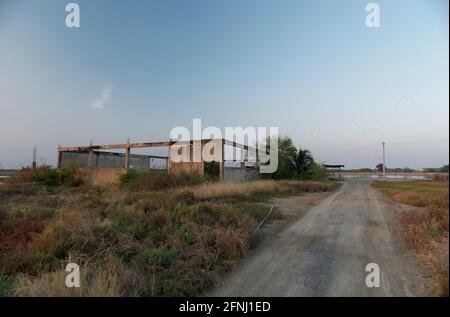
(312, 68)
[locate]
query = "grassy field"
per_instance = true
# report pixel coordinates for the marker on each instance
(426, 228)
(151, 235)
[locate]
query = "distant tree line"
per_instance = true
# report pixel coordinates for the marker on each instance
(443, 169)
(379, 168)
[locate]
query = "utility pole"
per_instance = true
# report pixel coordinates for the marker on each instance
(34, 165)
(384, 162)
(127, 155)
(91, 155)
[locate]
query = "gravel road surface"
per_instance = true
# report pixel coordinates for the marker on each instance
(325, 252)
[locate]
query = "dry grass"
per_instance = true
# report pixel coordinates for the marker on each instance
(171, 242)
(230, 189)
(231, 243)
(425, 229)
(225, 189)
(50, 284)
(107, 280)
(66, 231)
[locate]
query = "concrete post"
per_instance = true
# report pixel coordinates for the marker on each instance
(127, 158)
(256, 156)
(127, 154)
(58, 158)
(384, 162)
(90, 156)
(222, 159)
(169, 158)
(199, 147)
(34, 164)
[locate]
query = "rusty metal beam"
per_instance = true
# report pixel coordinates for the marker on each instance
(87, 148)
(124, 146)
(113, 146)
(238, 145)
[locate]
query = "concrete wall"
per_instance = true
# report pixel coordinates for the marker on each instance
(186, 167)
(105, 160)
(74, 159)
(237, 174)
(190, 167)
(139, 163)
(103, 176)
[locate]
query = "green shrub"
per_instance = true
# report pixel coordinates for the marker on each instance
(128, 177)
(3, 214)
(315, 172)
(150, 180)
(155, 201)
(159, 256)
(6, 285)
(186, 233)
(133, 224)
(71, 176)
(186, 179)
(212, 170)
(158, 180)
(47, 176)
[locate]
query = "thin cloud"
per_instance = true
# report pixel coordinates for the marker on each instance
(102, 101)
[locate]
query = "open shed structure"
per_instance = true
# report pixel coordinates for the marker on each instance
(335, 168)
(102, 165)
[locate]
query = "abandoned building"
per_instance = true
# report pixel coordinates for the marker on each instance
(102, 165)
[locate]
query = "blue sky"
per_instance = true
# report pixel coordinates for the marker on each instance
(312, 68)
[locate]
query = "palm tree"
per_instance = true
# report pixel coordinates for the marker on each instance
(287, 154)
(304, 160)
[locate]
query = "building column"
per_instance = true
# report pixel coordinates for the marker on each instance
(169, 157)
(58, 158)
(222, 158)
(242, 157)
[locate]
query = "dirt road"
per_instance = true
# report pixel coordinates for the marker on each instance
(325, 252)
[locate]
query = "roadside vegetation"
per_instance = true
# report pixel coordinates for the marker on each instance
(296, 163)
(426, 227)
(150, 234)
